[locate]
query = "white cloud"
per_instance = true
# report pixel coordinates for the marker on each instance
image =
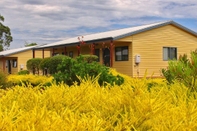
(45, 21)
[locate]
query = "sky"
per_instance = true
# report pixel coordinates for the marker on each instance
(48, 21)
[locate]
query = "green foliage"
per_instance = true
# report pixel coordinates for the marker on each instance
(23, 72)
(5, 35)
(70, 70)
(66, 71)
(88, 58)
(54, 62)
(33, 65)
(30, 44)
(184, 70)
(168, 75)
(44, 64)
(3, 79)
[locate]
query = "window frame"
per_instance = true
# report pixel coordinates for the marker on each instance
(14, 63)
(122, 56)
(169, 53)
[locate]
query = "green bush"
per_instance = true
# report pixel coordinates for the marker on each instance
(183, 70)
(53, 63)
(23, 72)
(69, 71)
(33, 65)
(87, 58)
(66, 71)
(168, 75)
(44, 64)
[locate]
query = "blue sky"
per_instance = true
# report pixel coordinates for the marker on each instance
(44, 21)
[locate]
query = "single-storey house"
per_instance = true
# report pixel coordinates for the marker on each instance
(14, 60)
(131, 51)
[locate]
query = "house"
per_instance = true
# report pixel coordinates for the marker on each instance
(134, 50)
(14, 60)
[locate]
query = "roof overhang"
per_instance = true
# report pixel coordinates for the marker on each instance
(75, 43)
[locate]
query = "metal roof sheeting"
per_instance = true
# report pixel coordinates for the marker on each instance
(14, 51)
(116, 34)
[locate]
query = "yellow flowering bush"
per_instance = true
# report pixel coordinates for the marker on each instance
(89, 107)
(29, 79)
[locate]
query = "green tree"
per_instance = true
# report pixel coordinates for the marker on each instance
(30, 44)
(5, 35)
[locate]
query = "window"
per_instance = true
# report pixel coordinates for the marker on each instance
(6, 63)
(97, 53)
(14, 63)
(169, 53)
(121, 53)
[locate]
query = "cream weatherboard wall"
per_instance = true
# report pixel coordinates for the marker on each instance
(124, 67)
(149, 45)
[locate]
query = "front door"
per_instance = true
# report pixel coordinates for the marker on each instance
(106, 56)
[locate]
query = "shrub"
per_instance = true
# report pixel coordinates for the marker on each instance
(168, 75)
(183, 70)
(23, 72)
(33, 65)
(29, 79)
(53, 63)
(87, 58)
(44, 65)
(66, 71)
(70, 70)
(90, 108)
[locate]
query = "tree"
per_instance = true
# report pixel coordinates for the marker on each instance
(5, 35)
(31, 44)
